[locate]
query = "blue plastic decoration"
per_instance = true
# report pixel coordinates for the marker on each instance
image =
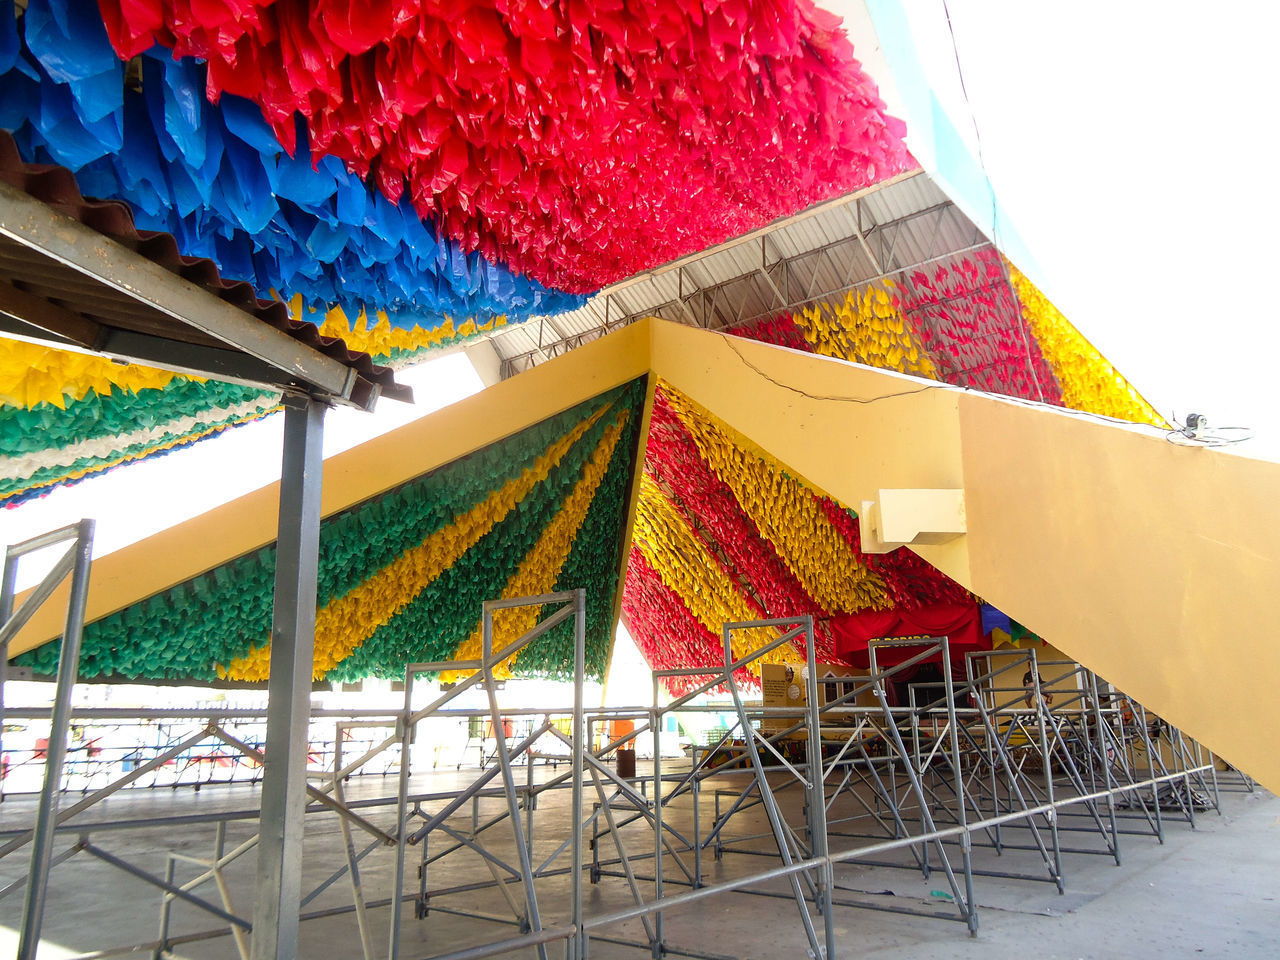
(217, 178)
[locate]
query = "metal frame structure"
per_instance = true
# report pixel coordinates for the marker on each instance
(74, 563)
(819, 255)
(974, 773)
(931, 777)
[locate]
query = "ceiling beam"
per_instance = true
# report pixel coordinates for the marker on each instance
(55, 236)
(46, 317)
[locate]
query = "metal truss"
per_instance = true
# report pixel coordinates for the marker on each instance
(774, 283)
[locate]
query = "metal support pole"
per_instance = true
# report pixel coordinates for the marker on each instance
(656, 719)
(403, 814)
(818, 791)
(8, 587)
(533, 916)
(697, 837)
(579, 747)
(776, 823)
(47, 815)
(966, 838)
(278, 892)
(353, 867)
(1104, 762)
(1042, 722)
(166, 903)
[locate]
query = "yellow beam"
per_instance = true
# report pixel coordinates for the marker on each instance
(249, 523)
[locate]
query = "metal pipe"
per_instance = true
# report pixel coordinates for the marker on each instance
(166, 903)
(16, 620)
(966, 854)
(513, 801)
(17, 884)
(539, 939)
(167, 887)
(219, 846)
(818, 840)
(321, 796)
(766, 795)
(8, 588)
(405, 734)
(84, 804)
(625, 862)
(579, 747)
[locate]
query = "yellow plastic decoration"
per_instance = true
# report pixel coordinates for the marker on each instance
(1089, 381)
(866, 328)
(687, 569)
(382, 338)
(788, 515)
(346, 622)
(32, 374)
(538, 572)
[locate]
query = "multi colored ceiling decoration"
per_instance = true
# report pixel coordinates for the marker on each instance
(403, 576)
(68, 437)
(1089, 381)
(724, 534)
(972, 321)
(66, 416)
(407, 175)
(413, 173)
(580, 142)
(218, 179)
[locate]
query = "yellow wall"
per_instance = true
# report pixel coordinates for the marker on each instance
(1156, 565)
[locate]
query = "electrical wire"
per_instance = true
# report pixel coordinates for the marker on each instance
(729, 338)
(1184, 436)
(1180, 439)
(1177, 437)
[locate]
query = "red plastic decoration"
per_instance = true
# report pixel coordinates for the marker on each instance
(579, 142)
(667, 634)
(967, 317)
(709, 505)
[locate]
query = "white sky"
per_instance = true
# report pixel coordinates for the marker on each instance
(137, 500)
(1132, 145)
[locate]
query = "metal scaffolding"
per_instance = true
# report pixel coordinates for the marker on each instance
(74, 563)
(875, 769)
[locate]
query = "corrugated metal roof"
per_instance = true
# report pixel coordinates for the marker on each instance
(905, 224)
(71, 292)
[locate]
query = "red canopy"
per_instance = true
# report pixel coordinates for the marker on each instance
(959, 622)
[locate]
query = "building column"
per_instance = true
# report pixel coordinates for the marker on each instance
(279, 886)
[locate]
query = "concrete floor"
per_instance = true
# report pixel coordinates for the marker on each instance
(1213, 891)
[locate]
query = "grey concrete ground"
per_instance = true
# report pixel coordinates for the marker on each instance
(1209, 892)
